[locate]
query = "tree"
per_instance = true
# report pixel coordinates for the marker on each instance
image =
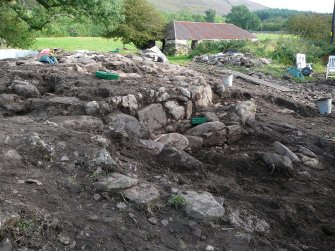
(242, 17)
(36, 14)
(142, 24)
(315, 27)
(210, 15)
(16, 34)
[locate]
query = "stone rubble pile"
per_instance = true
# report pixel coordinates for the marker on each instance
(152, 105)
(237, 59)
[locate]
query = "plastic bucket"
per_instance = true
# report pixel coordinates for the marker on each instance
(228, 81)
(325, 105)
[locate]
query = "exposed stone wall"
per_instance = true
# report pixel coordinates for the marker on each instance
(177, 47)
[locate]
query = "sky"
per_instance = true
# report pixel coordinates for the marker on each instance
(323, 6)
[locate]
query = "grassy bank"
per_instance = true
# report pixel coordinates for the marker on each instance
(71, 44)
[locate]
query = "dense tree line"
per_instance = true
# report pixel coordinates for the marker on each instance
(278, 13)
(186, 15)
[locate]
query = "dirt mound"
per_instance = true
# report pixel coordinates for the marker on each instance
(91, 164)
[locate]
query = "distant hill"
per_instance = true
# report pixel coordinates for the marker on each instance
(222, 7)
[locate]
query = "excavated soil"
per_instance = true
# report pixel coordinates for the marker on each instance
(48, 189)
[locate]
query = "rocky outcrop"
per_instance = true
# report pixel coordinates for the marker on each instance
(237, 59)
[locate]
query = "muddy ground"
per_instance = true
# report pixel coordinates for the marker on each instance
(50, 201)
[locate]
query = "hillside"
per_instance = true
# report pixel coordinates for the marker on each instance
(199, 6)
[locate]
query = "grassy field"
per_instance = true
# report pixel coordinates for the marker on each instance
(272, 36)
(79, 43)
(71, 44)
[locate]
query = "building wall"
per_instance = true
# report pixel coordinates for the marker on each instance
(177, 47)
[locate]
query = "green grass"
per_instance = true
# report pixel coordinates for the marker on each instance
(182, 59)
(272, 36)
(71, 44)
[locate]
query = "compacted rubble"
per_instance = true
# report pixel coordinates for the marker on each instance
(93, 164)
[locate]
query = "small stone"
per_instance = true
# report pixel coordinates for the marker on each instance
(152, 220)
(97, 196)
(165, 223)
(93, 217)
(174, 190)
(196, 232)
(161, 89)
(65, 159)
(183, 91)
(92, 107)
(209, 248)
(32, 181)
(121, 205)
(64, 239)
(305, 175)
(104, 157)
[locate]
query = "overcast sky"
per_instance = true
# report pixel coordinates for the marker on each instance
(324, 6)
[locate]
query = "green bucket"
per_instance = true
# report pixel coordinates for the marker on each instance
(107, 75)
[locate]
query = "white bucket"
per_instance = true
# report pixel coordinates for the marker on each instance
(325, 105)
(228, 81)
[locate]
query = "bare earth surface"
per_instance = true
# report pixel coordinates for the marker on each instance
(65, 148)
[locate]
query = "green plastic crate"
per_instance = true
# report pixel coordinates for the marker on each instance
(198, 121)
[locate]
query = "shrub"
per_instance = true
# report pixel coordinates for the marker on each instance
(177, 201)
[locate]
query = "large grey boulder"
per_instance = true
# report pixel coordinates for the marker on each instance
(175, 139)
(142, 193)
(202, 96)
(126, 125)
(213, 133)
(202, 205)
(153, 116)
(178, 159)
(234, 133)
(11, 102)
(155, 146)
(285, 151)
(246, 110)
(57, 105)
(307, 152)
(78, 123)
(195, 143)
(130, 103)
(177, 111)
(277, 162)
(247, 221)
(25, 89)
(155, 54)
(116, 181)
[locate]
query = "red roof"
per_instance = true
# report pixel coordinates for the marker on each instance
(183, 30)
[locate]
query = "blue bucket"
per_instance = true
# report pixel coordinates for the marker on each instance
(325, 105)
